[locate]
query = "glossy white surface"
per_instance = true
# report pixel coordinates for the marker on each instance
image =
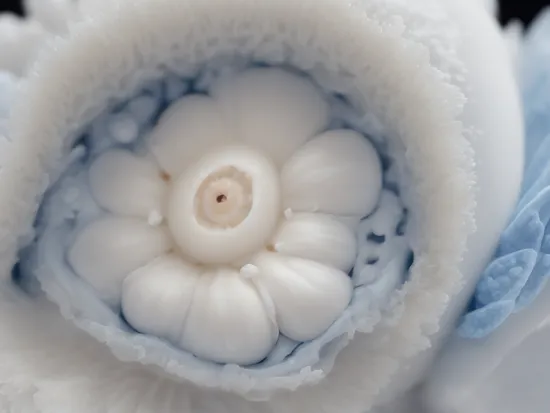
(226, 233)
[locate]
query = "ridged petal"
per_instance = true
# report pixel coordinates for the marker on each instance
(308, 296)
(338, 172)
(273, 110)
(156, 297)
(126, 184)
(319, 238)
(228, 321)
(108, 249)
(188, 129)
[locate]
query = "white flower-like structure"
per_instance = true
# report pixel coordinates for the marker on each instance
(411, 76)
(236, 223)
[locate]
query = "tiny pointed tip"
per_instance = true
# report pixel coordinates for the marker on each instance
(249, 270)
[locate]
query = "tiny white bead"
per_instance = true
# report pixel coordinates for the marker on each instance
(123, 128)
(155, 218)
(288, 213)
(226, 206)
(249, 270)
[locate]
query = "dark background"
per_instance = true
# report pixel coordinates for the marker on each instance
(522, 9)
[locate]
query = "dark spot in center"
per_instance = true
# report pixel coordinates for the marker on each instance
(221, 198)
(375, 238)
(165, 176)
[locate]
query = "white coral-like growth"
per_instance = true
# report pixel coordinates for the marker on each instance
(234, 226)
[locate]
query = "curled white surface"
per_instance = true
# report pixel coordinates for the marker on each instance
(399, 53)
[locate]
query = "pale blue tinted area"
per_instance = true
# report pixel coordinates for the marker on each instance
(127, 125)
(521, 265)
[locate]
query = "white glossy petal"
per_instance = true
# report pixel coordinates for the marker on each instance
(126, 184)
(338, 172)
(273, 110)
(227, 321)
(187, 130)
(108, 249)
(156, 297)
(308, 296)
(319, 238)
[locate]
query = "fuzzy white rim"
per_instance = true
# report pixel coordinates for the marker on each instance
(390, 64)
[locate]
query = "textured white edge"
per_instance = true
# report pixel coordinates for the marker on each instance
(88, 68)
(513, 36)
(491, 6)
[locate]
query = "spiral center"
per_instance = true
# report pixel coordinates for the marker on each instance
(225, 206)
(224, 199)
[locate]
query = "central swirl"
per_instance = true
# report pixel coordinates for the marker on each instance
(225, 205)
(224, 199)
(235, 223)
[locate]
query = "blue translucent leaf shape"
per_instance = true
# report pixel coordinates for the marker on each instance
(524, 232)
(483, 321)
(537, 174)
(507, 286)
(505, 277)
(536, 281)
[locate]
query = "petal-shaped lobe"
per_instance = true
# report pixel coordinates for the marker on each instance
(338, 172)
(188, 129)
(126, 184)
(156, 297)
(228, 321)
(108, 249)
(319, 238)
(273, 110)
(308, 296)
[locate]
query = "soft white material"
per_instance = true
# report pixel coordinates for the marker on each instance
(506, 369)
(298, 286)
(431, 137)
(8, 91)
(491, 6)
(289, 364)
(389, 54)
(158, 295)
(494, 111)
(337, 173)
(54, 15)
(108, 249)
(58, 15)
(385, 253)
(294, 112)
(20, 41)
(128, 185)
(317, 237)
(504, 372)
(228, 322)
(225, 207)
(186, 131)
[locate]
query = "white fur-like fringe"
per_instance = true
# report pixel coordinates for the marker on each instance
(401, 58)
